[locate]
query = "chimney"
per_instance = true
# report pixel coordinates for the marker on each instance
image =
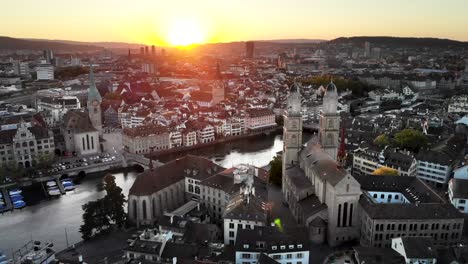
(80, 259)
(172, 219)
(198, 206)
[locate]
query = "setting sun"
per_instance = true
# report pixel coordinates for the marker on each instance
(185, 33)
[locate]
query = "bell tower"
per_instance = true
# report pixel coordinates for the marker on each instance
(218, 88)
(329, 122)
(94, 102)
(292, 129)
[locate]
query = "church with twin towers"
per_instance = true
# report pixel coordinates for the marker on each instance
(321, 194)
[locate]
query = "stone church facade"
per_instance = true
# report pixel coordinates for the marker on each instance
(321, 194)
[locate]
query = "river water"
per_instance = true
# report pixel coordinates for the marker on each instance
(51, 219)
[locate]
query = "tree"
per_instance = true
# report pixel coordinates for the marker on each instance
(385, 171)
(115, 201)
(95, 219)
(102, 214)
(276, 171)
(381, 140)
(410, 139)
(45, 161)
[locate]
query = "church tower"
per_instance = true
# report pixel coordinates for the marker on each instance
(94, 103)
(218, 88)
(330, 122)
(292, 129)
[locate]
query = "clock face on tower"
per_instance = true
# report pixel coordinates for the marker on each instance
(95, 102)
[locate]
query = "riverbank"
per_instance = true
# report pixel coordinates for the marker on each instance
(219, 141)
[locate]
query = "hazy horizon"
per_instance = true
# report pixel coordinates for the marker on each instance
(210, 21)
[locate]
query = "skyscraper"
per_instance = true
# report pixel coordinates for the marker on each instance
(146, 51)
(153, 50)
(48, 55)
(367, 49)
(142, 51)
(249, 49)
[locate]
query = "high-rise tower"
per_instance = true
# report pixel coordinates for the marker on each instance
(330, 121)
(292, 129)
(94, 102)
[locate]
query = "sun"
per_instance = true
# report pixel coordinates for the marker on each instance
(185, 33)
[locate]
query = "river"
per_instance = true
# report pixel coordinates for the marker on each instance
(51, 219)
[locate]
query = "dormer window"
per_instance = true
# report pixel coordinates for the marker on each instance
(246, 245)
(282, 247)
(291, 246)
(274, 247)
(299, 246)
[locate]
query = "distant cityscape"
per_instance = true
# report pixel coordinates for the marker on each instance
(371, 168)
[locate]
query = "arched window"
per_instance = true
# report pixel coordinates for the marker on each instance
(18, 145)
(160, 204)
(154, 207)
(345, 214)
(143, 205)
(172, 196)
(31, 143)
(25, 144)
(351, 215)
(330, 124)
(339, 215)
(135, 210)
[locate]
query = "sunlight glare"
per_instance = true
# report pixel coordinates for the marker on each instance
(185, 33)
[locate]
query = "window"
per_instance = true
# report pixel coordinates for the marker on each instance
(274, 247)
(239, 226)
(245, 255)
(291, 246)
(246, 245)
(282, 247)
(299, 246)
(462, 201)
(289, 256)
(299, 255)
(231, 225)
(276, 257)
(231, 233)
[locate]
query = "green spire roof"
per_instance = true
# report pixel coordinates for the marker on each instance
(93, 93)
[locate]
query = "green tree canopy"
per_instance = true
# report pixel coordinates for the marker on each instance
(382, 140)
(410, 139)
(102, 214)
(276, 171)
(357, 87)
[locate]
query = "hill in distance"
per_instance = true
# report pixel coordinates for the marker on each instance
(104, 44)
(401, 42)
(7, 43)
(294, 41)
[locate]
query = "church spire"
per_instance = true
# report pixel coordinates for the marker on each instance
(341, 155)
(219, 76)
(93, 93)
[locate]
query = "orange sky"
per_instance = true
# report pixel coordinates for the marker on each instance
(166, 22)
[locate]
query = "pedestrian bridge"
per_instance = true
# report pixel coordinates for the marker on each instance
(130, 159)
